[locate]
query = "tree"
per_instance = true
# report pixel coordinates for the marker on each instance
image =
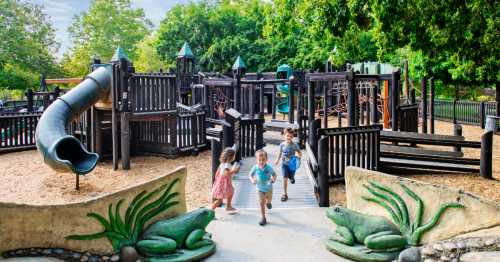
(217, 32)
(147, 57)
(27, 45)
(106, 26)
(457, 38)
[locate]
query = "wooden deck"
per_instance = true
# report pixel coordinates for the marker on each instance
(300, 194)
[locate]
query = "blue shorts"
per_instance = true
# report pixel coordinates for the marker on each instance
(286, 172)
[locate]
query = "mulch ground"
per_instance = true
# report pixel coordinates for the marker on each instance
(24, 178)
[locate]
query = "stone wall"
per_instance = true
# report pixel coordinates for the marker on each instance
(25, 226)
(478, 213)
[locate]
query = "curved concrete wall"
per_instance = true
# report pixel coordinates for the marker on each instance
(478, 213)
(25, 226)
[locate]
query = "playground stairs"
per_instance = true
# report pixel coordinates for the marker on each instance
(301, 194)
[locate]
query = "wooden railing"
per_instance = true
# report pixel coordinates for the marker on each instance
(331, 150)
(17, 131)
(408, 118)
(152, 93)
(251, 136)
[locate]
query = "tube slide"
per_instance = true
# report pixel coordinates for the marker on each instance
(60, 150)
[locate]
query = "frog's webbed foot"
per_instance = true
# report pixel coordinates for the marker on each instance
(156, 246)
(198, 238)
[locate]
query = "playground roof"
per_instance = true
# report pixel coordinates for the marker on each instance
(285, 68)
(239, 63)
(185, 51)
(119, 53)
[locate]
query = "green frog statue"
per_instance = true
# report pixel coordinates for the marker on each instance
(178, 237)
(368, 238)
(364, 237)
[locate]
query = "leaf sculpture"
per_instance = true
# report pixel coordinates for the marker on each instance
(398, 210)
(126, 232)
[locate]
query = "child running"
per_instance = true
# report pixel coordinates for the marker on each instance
(262, 175)
(288, 149)
(223, 185)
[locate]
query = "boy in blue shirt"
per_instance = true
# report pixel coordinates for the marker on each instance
(288, 149)
(263, 176)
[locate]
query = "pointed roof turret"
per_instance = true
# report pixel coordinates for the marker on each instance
(119, 53)
(185, 51)
(239, 63)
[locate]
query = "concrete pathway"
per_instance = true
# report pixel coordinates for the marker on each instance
(300, 194)
(290, 235)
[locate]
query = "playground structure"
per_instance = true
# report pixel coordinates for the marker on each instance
(173, 113)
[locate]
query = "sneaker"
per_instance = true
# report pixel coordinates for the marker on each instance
(263, 222)
(292, 180)
(269, 205)
(284, 198)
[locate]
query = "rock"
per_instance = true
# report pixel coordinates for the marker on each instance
(461, 245)
(105, 258)
(116, 258)
(84, 259)
(474, 243)
(94, 259)
(47, 251)
(129, 254)
(58, 251)
(411, 254)
(449, 246)
(437, 247)
(429, 260)
(19, 252)
(489, 242)
(444, 258)
(76, 255)
(427, 251)
(480, 256)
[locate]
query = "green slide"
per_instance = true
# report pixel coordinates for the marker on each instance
(60, 150)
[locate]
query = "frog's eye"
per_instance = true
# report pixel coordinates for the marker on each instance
(336, 209)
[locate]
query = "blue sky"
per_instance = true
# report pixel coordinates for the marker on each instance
(61, 13)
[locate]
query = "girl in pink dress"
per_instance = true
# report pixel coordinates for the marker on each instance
(223, 185)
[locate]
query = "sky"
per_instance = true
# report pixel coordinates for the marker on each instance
(61, 13)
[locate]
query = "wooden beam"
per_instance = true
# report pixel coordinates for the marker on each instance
(64, 80)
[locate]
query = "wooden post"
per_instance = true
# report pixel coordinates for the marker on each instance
(237, 93)
(291, 107)
(323, 176)
(351, 99)
(216, 147)
(29, 99)
(423, 84)
(310, 103)
(395, 100)
(250, 100)
(57, 92)
(486, 163)
(325, 105)
(457, 131)
(273, 102)
(431, 104)
(77, 185)
(261, 100)
(314, 125)
(407, 82)
(413, 98)
(482, 114)
(259, 137)
(455, 111)
(374, 104)
(124, 120)
(497, 98)
(114, 121)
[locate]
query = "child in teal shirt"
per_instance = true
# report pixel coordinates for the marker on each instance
(263, 176)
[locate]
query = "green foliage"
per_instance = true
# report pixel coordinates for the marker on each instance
(100, 30)
(148, 59)
(126, 231)
(398, 210)
(27, 45)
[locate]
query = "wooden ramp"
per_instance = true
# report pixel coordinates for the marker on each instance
(300, 194)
